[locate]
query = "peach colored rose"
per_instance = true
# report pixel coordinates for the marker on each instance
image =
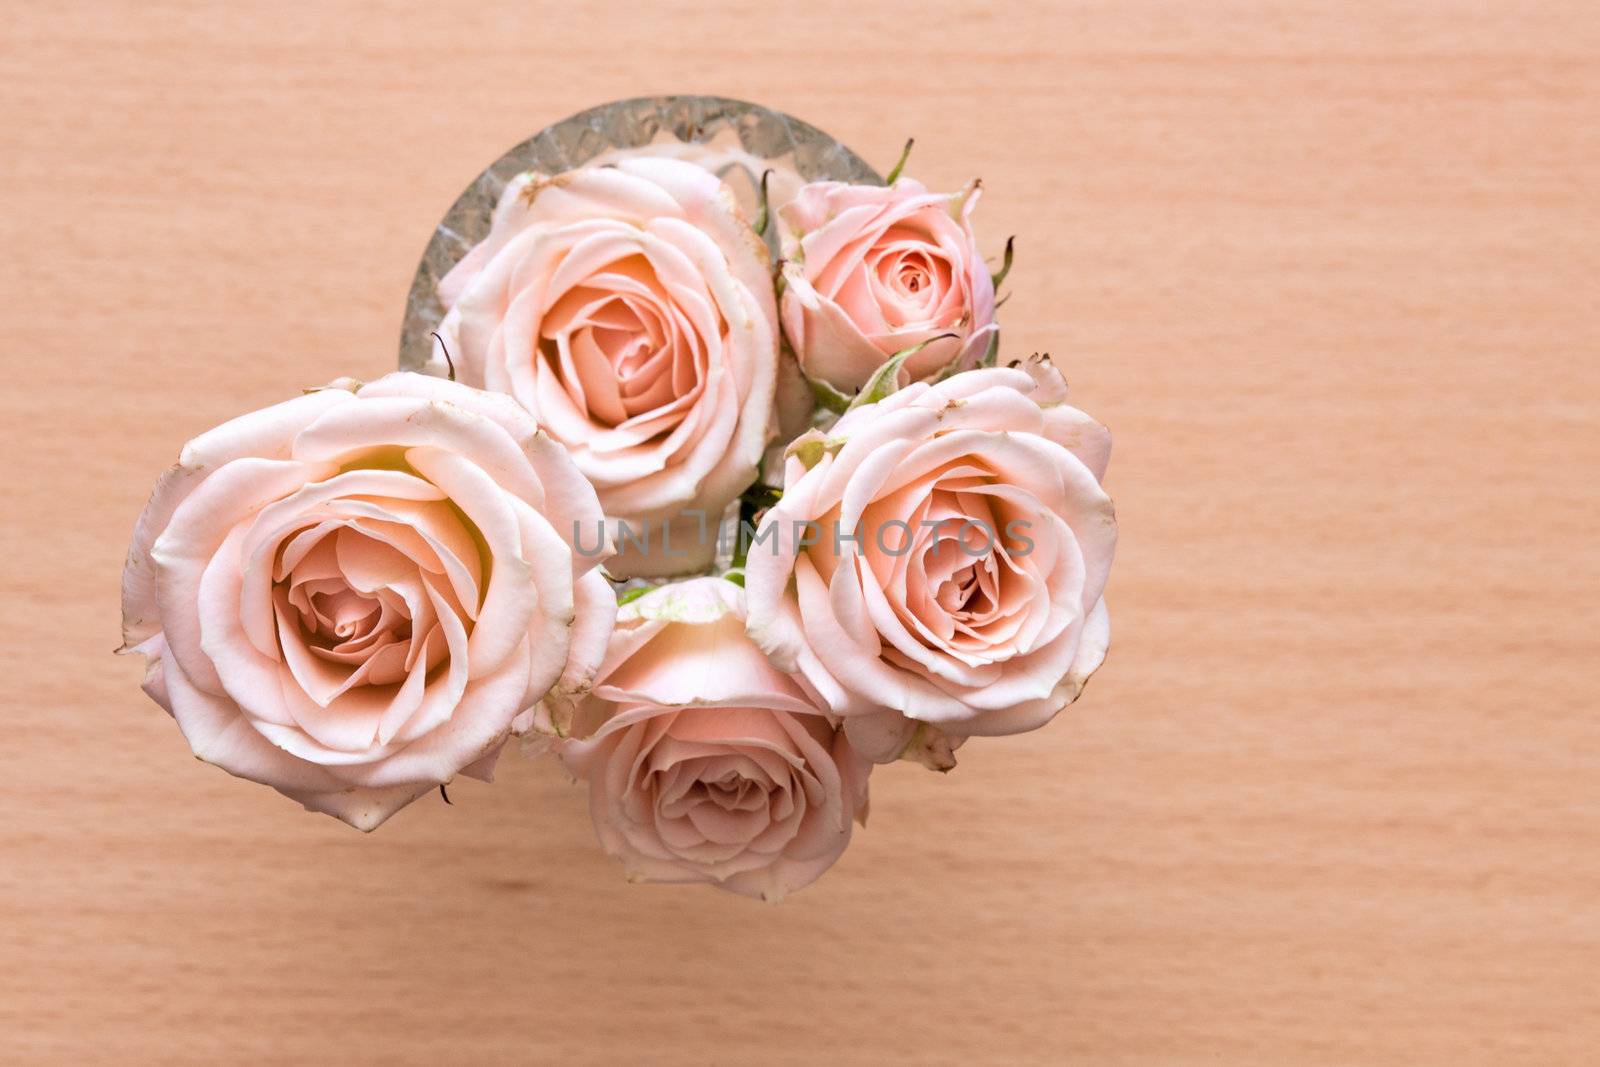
(631, 309)
(704, 763)
(971, 603)
(350, 595)
(869, 271)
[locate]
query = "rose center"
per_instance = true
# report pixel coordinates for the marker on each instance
(911, 280)
(616, 350)
(964, 593)
(332, 615)
(352, 610)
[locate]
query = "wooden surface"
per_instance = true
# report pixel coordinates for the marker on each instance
(1328, 270)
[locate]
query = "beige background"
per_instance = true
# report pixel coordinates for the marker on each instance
(1328, 270)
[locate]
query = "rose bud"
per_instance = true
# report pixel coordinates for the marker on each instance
(631, 309)
(936, 564)
(350, 595)
(869, 271)
(704, 762)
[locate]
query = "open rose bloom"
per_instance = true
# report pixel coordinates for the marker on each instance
(351, 595)
(936, 565)
(360, 593)
(631, 309)
(870, 271)
(704, 762)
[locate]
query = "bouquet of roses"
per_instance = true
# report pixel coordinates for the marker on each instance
(719, 533)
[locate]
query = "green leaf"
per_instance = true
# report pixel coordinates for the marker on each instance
(1005, 266)
(628, 596)
(905, 154)
(736, 576)
(885, 379)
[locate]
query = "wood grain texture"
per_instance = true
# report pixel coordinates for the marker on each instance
(1327, 269)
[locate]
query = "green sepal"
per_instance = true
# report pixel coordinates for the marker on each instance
(764, 215)
(905, 154)
(884, 380)
(992, 353)
(1005, 265)
(628, 596)
(829, 397)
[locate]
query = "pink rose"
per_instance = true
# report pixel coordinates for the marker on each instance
(349, 596)
(869, 271)
(630, 308)
(969, 601)
(704, 763)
